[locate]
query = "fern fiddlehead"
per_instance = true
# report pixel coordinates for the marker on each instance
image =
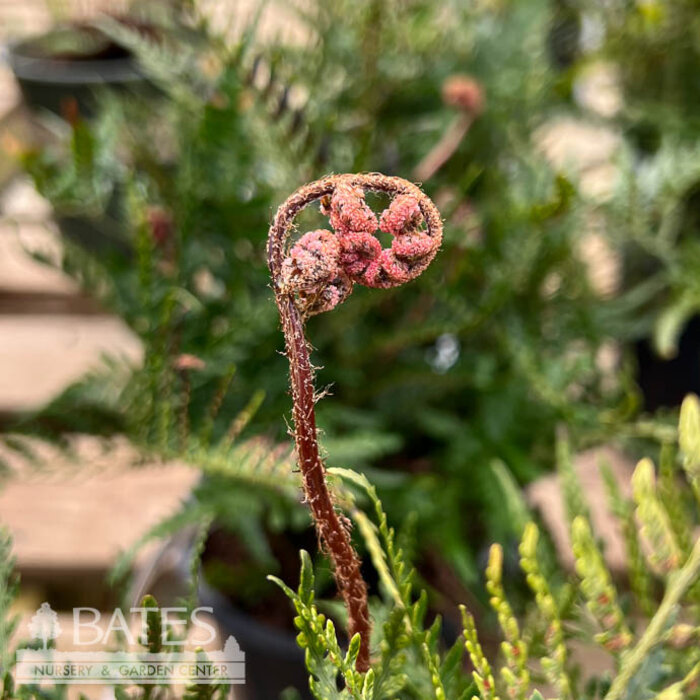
(314, 276)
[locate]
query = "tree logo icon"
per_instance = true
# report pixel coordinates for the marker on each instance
(44, 625)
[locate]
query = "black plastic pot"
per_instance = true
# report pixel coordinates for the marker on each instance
(665, 383)
(53, 82)
(98, 236)
(273, 661)
(564, 36)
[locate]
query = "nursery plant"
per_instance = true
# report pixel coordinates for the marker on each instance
(652, 218)
(319, 273)
(316, 274)
(434, 386)
(650, 636)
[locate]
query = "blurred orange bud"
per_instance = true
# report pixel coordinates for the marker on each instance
(465, 93)
(188, 363)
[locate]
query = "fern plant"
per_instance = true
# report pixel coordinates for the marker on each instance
(652, 658)
(472, 368)
(317, 274)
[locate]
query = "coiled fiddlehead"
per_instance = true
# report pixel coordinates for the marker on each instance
(315, 275)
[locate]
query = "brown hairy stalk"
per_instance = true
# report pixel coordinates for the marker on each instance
(332, 531)
(445, 147)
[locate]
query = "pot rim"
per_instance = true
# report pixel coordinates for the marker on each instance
(66, 72)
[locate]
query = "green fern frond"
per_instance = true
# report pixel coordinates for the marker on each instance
(252, 468)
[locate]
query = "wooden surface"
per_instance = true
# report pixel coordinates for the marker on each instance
(66, 514)
(50, 334)
(79, 512)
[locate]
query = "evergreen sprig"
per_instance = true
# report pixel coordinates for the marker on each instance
(8, 620)
(651, 660)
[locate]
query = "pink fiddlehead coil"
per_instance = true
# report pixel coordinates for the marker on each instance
(316, 274)
(321, 268)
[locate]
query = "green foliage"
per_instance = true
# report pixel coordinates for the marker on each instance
(573, 493)
(598, 589)
(652, 216)
(652, 221)
(8, 591)
(514, 672)
(317, 637)
(555, 658)
(482, 669)
(205, 691)
(689, 440)
(640, 578)
(653, 658)
(409, 659)
(654, 520)
(473, 366)
(154, 631)
(250, 489)
(653, 43)
(152, 642)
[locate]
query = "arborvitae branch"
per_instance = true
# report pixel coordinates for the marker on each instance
(689, 438)
(483, 677)
(639, 575)
(515, 673)
(677, 587)
(598, 589)
(665, 554)
(554, 664)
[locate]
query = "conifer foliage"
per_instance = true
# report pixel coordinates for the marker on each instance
(652, 657)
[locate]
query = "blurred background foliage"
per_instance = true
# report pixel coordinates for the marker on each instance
(436, 387)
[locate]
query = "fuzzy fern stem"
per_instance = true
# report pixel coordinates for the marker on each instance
(678, 586)
(332, 530)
